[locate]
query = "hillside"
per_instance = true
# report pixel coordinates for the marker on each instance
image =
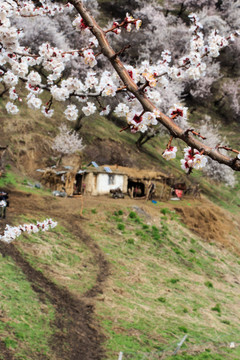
(129, 276)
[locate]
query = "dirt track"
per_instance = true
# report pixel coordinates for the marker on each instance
(78, 335)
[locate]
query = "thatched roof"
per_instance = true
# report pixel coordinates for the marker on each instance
(132, 173)
(139, 174)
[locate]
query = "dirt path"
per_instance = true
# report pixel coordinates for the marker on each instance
(78, 334)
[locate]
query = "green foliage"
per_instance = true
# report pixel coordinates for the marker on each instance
(209, 284)
(217, 308)
(174, 281)
(183, 329)
(121, 227)
(130, 241)
(26, 322)
(165, 211)
(161, 299)
(132, 215)
(9, 178)
(227, 322)
(156, 234)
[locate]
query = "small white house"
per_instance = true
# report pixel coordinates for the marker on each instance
(99, 181)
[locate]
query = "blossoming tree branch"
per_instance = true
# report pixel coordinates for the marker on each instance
(135, 87)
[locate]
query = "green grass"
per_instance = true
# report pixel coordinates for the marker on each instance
(28, 324)
(60, 256)
(160, 289)
(9, 178)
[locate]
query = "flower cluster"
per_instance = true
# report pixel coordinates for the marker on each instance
(151, 79)
(129, 20)
(89, 58)
(67, 141)
(179, 114)
(142, 121)
(170, 153)
(71, 112)
(193, 160)
(12, 232)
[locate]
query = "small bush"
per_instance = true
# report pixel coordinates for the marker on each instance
(174, 281)
(137, 220)
(226, 322)
(192, 251)
(208, 284)
(161, 299)
(165, 211)
(217, 308)
(142, 235)
(185, 311)
(130, 241)
(120, 212)
(183, 329)
(93, 211)
(155, 233)
(121, 227)
(132, 215)
(177, 251)
(145, 227)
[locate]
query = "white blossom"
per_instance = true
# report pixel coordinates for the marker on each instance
(89, 109)
(47, 112)
(34, 102)
(12, 232)
(10, 79)
(67, 142)
(12, 94)
(59, 93)
(89, 58)
(71, 112)
(105, 111)
(11, 108)
(34, 78)
(170, 153)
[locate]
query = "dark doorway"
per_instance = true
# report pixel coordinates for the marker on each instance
(136, 188)
(78, 185)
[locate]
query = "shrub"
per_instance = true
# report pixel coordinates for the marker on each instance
(174, 281)
(161, 299)
(130, 241)
(121, 227)
(208, 284)
(165, 211)
(183, 329)
(217, 308)
(132, 215)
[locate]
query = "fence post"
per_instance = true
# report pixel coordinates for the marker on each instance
(120, 355)
(180, 344)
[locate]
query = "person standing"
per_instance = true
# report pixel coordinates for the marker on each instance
(3, 204)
